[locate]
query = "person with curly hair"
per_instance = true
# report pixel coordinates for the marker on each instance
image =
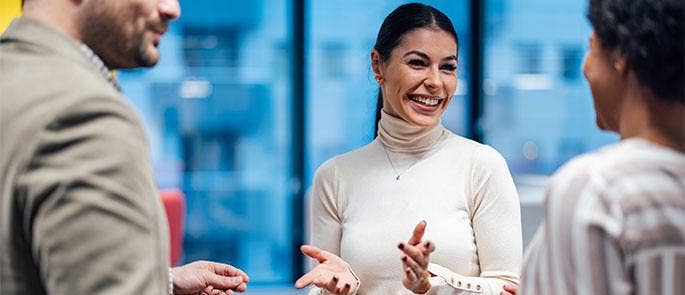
(614, 219)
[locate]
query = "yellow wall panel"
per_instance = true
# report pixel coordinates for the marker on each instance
(9, 9)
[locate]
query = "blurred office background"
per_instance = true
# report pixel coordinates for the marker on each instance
(250, 97)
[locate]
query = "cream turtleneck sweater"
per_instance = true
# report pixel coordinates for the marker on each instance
(360, 211)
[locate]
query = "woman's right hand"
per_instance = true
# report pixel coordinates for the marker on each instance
(332, 273)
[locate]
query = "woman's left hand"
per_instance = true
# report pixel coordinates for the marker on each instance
(415, 258)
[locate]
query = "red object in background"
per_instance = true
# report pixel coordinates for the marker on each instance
(173, 201)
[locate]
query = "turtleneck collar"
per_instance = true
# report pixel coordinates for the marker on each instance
(398, 135)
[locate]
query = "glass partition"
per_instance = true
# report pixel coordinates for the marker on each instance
(218, 116)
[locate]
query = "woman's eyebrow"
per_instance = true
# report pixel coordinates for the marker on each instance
(425, 56)
(451, 57)
(419, 53)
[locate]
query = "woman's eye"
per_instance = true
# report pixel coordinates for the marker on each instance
(416, 62)
(450, 68)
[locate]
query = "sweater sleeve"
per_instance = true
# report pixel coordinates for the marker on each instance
(496, 220)
(324, 218)
(325, 223)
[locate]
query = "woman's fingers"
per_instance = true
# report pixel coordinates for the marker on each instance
(343, 289)
(415, 276)
(330, 266)
(323, 277)
(316, 253)
(417, 271)
(307, 279)
(332, 273)
(339, 284)
(410, 275)
(415, 258)
(313, 275)
(427, 247)
(417, 235)
(415, 253)
(332, 283)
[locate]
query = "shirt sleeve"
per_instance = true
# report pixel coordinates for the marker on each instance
(91, 207)
(575, 250)
(325, 222)
(496, 220)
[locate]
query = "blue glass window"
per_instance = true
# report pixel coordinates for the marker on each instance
(537, 107)
(538, 111)
(218, 116)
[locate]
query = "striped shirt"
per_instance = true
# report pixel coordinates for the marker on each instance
(614, 224)
(100, 65)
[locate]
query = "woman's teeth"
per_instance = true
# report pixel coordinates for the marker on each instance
(429, 101)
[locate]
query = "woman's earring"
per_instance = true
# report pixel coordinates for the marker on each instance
(379, 80)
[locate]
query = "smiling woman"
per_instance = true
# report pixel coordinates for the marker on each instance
(419, 79)
(448, 201)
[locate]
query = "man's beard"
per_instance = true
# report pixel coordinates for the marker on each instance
(117, 49)
(143, 57)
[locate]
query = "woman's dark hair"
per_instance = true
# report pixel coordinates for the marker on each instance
(649, 34)
(400, 21)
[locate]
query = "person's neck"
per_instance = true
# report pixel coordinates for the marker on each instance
(654, 119)
(56, 14)
(398, 135)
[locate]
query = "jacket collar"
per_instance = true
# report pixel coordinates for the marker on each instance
(47, 39)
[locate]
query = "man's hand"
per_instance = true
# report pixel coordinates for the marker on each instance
(206, 277)
(331, 274)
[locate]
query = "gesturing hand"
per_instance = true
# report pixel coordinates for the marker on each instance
(415, 258)
(331, 274)
(206, 277)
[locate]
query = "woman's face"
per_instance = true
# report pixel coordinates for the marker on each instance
(419, 78)
(602, 69)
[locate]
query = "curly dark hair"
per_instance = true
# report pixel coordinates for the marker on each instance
(649, 34)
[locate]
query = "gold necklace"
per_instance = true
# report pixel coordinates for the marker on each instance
(397, 174)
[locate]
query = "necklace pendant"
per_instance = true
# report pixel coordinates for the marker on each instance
(397, 178)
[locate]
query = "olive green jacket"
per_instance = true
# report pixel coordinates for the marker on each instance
(79, 210)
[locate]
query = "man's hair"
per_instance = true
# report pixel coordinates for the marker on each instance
(649, 35)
